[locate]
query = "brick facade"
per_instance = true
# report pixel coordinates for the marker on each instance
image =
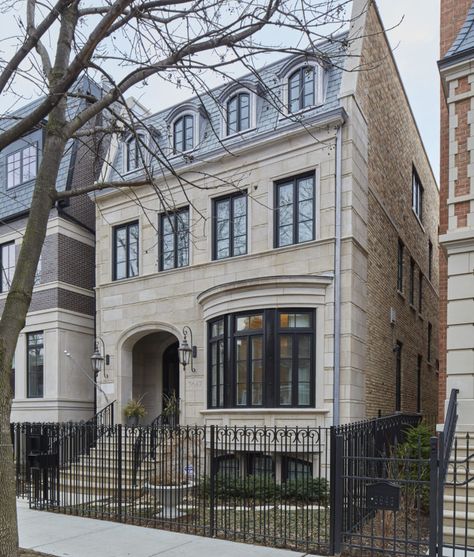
(394, 149)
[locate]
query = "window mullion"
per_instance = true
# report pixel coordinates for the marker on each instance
(295, 211)
(175, 240)
(249, 370)
(231, 226)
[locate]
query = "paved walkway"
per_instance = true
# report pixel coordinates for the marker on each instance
(71, 536)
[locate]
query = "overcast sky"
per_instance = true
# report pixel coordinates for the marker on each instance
(416, 44)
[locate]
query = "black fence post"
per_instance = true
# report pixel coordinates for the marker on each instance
(440, 492)
(212, 485)
(336, 492)
(119, 471)
(433, 537)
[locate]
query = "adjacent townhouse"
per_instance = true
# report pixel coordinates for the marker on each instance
(457, 209)
(286, 272)
(52, 378)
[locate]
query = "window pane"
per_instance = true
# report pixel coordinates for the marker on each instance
(232, 116)
(131, 154)
(285, 382)
(290, 320)
(257, 370)
(182, 219)
(168, 260)
(7, 256)
(294, 92)
(240, 206)
(304, 394)
(305, 189)
(308, 84)
(285, 235)
(244, 111)
(222, 249)
(14, 169)
(29, 163)
(240, 245)
(249, 322)
(241, 347)
(35, 365)
(217, 328)
(189, 133)
(305, 231)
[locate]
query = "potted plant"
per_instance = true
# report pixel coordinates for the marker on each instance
(170, 410)
(134, 410)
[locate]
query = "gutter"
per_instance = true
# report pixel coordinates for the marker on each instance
(337, 282)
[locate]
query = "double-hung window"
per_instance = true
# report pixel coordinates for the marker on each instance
(174, 239)
(183, 134)
(411, 292)
(401, 249)
(125, 251)
(7, 265)
(22, 165)
(262, 358)
(35, 364)
(301, 89)
(134, 152)
(230, 226)
(238, 113)
(417, 196)
(295, 210)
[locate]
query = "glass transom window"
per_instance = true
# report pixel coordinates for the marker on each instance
(262, 359)
(295, 210)
(174, 239)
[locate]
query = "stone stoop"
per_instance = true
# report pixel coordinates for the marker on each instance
(458, 516)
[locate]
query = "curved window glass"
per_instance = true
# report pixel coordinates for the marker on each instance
(183, 134)
(301, 89)
(238, 113)
(262, 359)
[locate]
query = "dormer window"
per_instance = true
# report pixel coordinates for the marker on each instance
(134, 156)
(301, 89)
(238, 113)
(183, 134)
(22, 165)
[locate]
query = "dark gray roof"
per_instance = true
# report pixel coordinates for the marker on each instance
(18, 199)
(465, 39)
(268, 116)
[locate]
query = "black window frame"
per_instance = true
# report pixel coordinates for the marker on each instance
(417, 192)
(174, 214)
(21, 151)
(398, 376)
(294, 180)
(271, 370)
(37, 346)
(182, 120)
(230, 198)
(429, 343)
(135, 139)
(430, 260)
(127, 227)
(238, 123)
(419, 364)
(301, 89)
(420, 291)
(3, 278)
(411, 291)
(400, 266)
(288, 461)
(217, 340)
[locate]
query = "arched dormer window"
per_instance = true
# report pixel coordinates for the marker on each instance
(183, 134)
(301, 89)
(238, 113)
(134, 152)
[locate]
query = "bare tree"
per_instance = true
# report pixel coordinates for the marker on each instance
(123, 43)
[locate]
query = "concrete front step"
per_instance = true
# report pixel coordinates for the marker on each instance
(459, 502)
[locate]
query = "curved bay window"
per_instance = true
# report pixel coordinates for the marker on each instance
(262, 359)
(238, 113)
(183, 134)
(301, 89)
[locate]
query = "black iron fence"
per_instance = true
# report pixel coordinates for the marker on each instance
(386, 486)
(254, 484)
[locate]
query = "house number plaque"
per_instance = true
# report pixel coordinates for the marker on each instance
(383, 496)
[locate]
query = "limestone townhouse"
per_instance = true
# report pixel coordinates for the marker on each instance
(302, 260)
(52, 376)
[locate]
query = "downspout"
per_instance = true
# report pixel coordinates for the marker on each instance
(337, 282)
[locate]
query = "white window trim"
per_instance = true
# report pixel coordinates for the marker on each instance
(319, 89)
(253, 113)
(20, 150)
(196, 130)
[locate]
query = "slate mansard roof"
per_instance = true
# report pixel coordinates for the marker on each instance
(209, 109)
(464, 42)
(17, 200)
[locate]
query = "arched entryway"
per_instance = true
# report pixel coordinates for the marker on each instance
(155, 372)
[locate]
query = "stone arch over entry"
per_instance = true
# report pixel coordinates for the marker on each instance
(140, 371)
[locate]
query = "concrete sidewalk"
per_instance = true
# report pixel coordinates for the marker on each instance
(73, 536)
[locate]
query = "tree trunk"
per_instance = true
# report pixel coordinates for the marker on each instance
(14, 315)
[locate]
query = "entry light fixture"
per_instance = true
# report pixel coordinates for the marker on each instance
(97, 358)
(187, 352)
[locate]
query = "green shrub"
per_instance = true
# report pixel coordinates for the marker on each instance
(306, 490)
